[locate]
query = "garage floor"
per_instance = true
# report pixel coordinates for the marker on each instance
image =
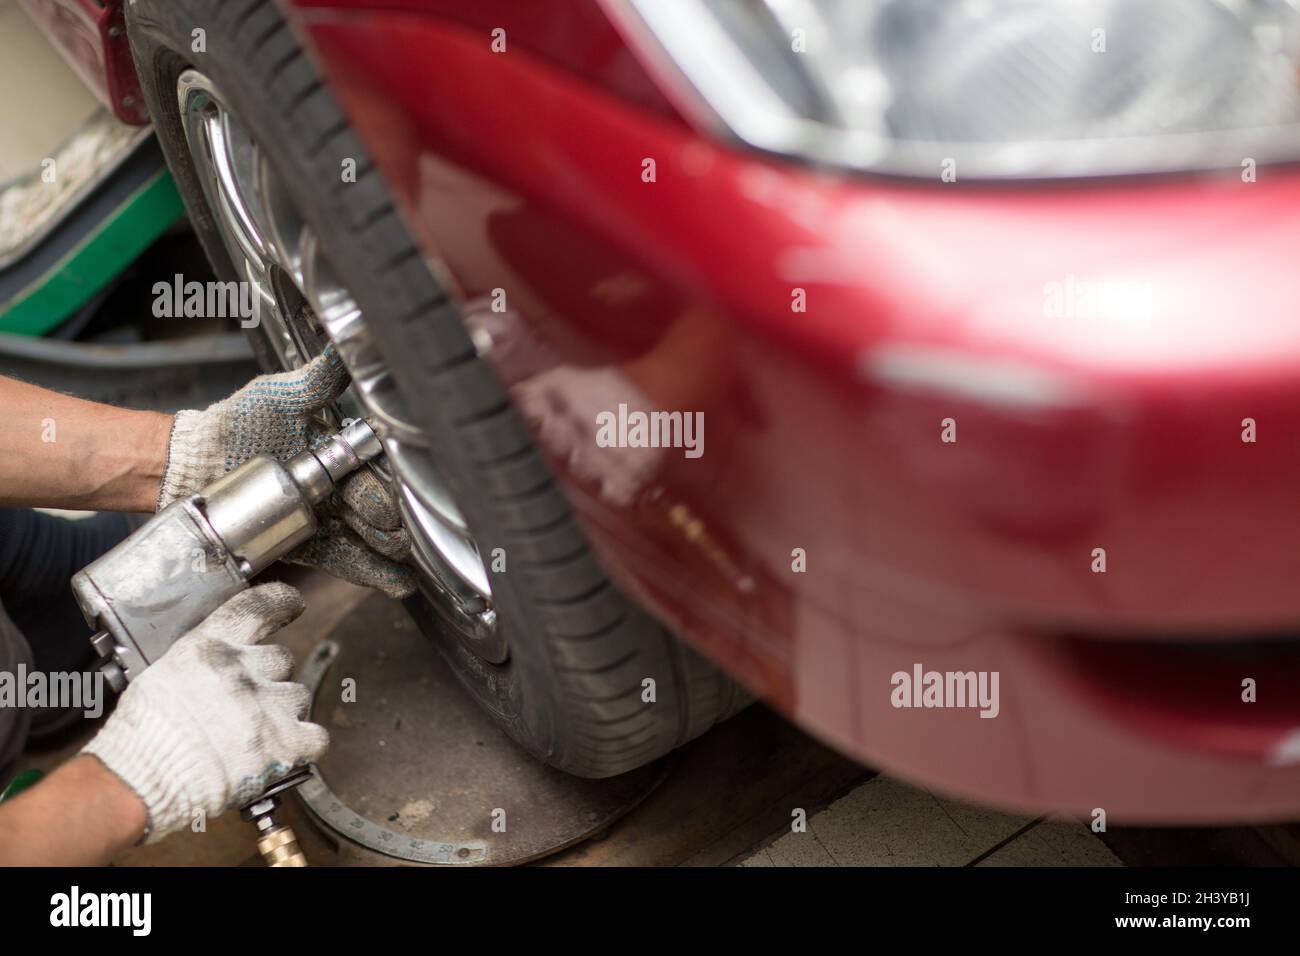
(887, 823)
(729, 799)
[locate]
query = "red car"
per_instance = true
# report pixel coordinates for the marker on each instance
(932, 369)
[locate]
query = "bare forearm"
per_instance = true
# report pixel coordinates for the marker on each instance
(62, 452)
(80, 815)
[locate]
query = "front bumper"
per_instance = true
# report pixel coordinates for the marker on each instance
(925, 302)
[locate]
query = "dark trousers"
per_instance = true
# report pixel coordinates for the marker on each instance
(39, 553)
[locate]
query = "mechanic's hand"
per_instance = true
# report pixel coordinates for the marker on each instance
(361, 538)
(214, 720)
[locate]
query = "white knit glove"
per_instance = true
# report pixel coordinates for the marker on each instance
(361, 538)
(214, 720)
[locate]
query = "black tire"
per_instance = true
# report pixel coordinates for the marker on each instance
(571, 690)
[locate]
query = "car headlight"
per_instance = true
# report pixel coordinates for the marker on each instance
(996, 88)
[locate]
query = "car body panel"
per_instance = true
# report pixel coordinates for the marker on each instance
(926, 302)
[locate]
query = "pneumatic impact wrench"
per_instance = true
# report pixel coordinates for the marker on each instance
(198, 552)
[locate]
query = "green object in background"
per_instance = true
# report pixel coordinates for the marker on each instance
(95, 261)
(20, 783)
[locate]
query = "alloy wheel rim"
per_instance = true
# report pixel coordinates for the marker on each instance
(303, 303)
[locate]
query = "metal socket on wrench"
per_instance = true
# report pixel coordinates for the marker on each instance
(200, 551)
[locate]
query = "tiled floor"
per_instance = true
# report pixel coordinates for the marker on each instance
(887, 823)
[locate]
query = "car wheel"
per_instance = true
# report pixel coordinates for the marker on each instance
(257, 145)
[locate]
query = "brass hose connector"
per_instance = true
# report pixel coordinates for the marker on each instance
(279, 847)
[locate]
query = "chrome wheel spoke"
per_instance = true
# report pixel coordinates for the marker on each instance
(459, 551)
(284, 227)
(428, 487)
(237, 217)
(345, 325)
(271, 316)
